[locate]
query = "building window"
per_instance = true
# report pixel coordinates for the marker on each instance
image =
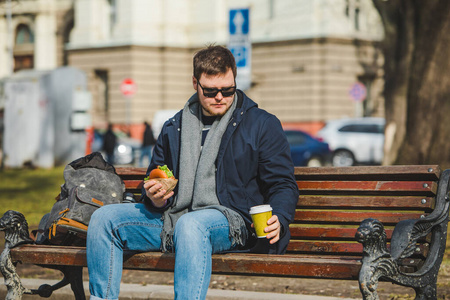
(357, 16)
(23, 62)
(66, 39)
(102, 91)
(352, 10)
(271, 9)
(24, 35)
(23, 48)
(112, 14)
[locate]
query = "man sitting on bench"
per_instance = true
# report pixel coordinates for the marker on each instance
(228, 155)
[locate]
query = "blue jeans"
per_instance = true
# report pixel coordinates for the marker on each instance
(117, 227)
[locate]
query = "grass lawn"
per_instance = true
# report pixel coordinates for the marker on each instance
(31, 192)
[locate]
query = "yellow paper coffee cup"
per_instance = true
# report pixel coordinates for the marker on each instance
(260, 215)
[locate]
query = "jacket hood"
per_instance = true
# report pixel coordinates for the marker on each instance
(244, 101)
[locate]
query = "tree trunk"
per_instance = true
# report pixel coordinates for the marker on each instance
(417, 80)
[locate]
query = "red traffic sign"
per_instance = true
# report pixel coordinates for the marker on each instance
(358, 92)
(128, 87)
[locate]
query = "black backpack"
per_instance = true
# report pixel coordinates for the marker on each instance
(90, 183)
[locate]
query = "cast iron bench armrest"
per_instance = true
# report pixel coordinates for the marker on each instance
(378, 262)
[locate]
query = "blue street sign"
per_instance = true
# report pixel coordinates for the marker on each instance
(358, 92)
(239, 21)
(240, 54)
(240, 45)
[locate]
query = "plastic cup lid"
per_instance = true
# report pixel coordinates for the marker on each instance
(260, 209)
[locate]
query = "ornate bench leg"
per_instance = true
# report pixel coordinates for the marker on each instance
(75, 277)
(368, 284)
(376, 261)
(427, 293)
(12, 281)
(46, 290)
(72, 275)
(15, 226)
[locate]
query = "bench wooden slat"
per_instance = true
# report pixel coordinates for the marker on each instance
(235, 263)
(287, 265)
(376, 202)
(76, 256)
(133, 184)
(368, 187)
(308, 233)
(254, 264)
(342, 248)
(327, 233)
(50, 255)
(410, 172)
(372, 202)
(125, 172)
(325, 247)
(411, 262)
(345, 217)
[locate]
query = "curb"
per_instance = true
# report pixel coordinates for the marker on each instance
(162, 292)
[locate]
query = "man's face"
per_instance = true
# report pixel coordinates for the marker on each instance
(217, 105)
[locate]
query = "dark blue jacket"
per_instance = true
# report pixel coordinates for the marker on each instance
(254, 166)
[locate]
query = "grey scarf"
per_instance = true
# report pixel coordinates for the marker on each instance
(197, 178)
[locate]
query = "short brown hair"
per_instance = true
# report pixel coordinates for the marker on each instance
(213, 60)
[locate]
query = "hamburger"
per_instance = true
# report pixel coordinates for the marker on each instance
(163, 175)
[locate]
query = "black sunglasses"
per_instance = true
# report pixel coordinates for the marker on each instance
(212, 92)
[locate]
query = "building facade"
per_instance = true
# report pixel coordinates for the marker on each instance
(306, 54)
(34, 35)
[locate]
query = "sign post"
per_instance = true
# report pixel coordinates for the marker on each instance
(128, 88)
(240, 45)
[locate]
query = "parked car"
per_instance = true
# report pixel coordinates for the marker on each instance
(354, 140)
(127, 149)
(159, 118)
(307, 150)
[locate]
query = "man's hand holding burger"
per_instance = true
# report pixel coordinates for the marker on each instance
(159, 185)
(156, 193)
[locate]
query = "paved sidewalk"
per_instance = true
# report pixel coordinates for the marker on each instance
(162, 292)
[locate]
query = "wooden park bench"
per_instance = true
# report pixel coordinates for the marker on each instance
(366, 223)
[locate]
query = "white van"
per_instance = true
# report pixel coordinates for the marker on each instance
(355, 140)
(160, 117)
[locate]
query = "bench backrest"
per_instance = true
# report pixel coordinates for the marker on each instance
(333, 202)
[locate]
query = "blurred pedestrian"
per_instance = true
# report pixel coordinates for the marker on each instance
(109, 144)
(147, 145)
